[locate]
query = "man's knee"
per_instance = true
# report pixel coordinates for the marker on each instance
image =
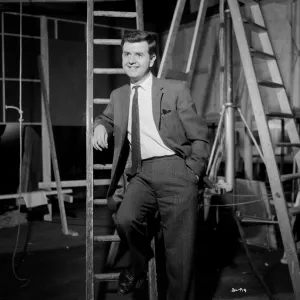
(124, 221)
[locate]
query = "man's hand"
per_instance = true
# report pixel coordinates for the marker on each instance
(100, 138)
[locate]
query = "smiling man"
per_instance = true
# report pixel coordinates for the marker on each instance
(156, 121)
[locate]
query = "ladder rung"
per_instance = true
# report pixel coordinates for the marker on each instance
(102, 167)
(176, 75)
(270, 84)
(251, 2)
(101, 100)
(287, 177)
(280, 115)
(107, 276)
(108, 71)
(107, 238)
(294, 210)
(254, 27)
(257, 220)
(100, 201)
(262, 55)
(108, 42)
(115, 14)
(288, 145)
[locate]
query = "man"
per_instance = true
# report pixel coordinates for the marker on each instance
(157, 120)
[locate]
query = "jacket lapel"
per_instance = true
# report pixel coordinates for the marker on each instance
(124, 102)
(157, 91)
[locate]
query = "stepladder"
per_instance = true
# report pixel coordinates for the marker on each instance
(255, 25)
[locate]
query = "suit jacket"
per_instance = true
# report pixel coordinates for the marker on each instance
(176, 120)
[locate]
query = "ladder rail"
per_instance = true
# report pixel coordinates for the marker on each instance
(196, 40)
(271, 165)
(89, 152)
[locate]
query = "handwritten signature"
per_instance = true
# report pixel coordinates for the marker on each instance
(233, 290)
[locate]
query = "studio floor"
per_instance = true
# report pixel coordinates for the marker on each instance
(51, 266)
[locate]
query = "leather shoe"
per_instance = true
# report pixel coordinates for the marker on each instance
(127, 282)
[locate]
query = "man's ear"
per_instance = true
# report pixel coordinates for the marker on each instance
(152, 60)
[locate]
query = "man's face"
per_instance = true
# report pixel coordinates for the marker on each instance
(136, 60)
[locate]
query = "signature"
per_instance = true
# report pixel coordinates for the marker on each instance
(233, 290)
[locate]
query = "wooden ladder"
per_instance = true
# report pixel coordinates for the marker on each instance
(91, 70)
(266, 53)
(163, 72)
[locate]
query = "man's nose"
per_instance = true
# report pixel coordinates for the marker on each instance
(132, 59)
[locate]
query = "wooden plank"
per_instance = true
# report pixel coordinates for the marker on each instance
(53, 149)
(102, 167)
(170, 43)
(115, 14)
(139, 14)
(73, 183)
(107, 42)
(52, 1)
(110, 71)
(46, 156)
(107, 277)
(107, 238)
(47, 193)
(101, 100)
(89, 183)
(152, 276)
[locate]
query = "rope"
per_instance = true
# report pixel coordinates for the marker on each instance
(20, 148)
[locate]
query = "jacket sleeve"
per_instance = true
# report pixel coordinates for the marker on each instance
(107, 118)
(196, 131)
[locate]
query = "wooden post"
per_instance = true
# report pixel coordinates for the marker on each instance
(46, 156)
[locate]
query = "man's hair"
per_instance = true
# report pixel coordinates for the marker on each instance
(137, 36)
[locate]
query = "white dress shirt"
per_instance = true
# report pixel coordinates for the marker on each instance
(151, 142)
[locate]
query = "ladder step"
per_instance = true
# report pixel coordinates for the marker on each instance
(297, 145)
(100, 201)
(107, 42)
(280, 115)
(287, 177)
(102, 167)
(254, 27)
(107, 276)
(177, 75)
(101, 100)
(271, 84)
(107, 238)
(257, 220)
(115, 14)
(262, 55)
(250, 2)
(294, 210)
(109, 71)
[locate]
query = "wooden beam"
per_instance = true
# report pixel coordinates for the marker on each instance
(19, 195)
(46, 155)
(52, 1)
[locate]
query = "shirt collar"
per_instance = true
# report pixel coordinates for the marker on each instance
(146, 84)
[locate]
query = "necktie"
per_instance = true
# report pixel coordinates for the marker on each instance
(135, 134)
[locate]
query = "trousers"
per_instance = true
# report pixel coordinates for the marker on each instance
(165, 185)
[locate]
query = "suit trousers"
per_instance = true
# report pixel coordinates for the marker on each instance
(167, 185)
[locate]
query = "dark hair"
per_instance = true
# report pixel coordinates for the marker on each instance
(140, 36)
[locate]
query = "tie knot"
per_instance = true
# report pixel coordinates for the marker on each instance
(135, 87)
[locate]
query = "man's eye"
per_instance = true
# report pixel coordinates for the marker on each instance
(139, 55)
